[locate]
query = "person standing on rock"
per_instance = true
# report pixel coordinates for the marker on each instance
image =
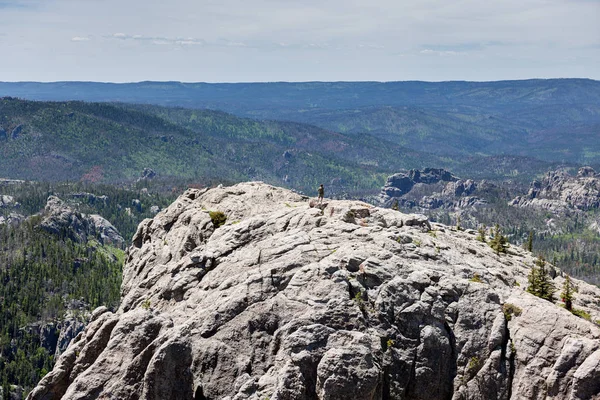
(321, 192)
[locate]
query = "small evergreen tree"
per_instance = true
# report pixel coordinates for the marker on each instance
(566, 295)
(540, 283)
(458, 227)
(395, 205)
(529, 246)
(499, 242)
(481, 234)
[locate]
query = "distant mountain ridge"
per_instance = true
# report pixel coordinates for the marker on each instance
(554, 120)
(233, 97)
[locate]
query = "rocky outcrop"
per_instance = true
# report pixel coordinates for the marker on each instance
(343, 301)
(16, 132)
(7, 201)
(11, 218)
(68, 328)
(60, 219)
(154, 210)
(147, 173)
(432, 189)
(558, 191)
(14, 392)
(91, 198)
(401, 183)
(5, 182)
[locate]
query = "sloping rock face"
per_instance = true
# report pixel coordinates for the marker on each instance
(558, 191)
(344, 301)
(62, 219)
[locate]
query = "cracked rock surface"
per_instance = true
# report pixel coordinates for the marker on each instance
(343, 301)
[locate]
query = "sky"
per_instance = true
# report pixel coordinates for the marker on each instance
(292, 40)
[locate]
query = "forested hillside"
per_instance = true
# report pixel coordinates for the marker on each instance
(50, 282)
(556, 120)
(111, 143)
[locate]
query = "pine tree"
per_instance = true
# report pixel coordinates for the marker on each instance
(567, 293)
(540, 283)
(530, 242)
(498, 242)
(481, 234)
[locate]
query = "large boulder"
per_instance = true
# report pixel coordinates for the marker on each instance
(347, 301)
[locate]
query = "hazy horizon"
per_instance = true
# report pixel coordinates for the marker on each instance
(314, 81)
(298, 41)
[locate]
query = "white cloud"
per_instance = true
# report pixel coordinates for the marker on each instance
(284, 40)
(158, 40)
(443, 53)
(370, 46)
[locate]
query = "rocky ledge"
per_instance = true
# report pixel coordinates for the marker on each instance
(343, 301)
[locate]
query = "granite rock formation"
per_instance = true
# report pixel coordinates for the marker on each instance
(432, 189)
(558, 192)
(62, 219)
(7, 201)
(337, 301)
(11, 219)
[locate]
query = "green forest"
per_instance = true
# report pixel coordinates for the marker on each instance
(47, 278)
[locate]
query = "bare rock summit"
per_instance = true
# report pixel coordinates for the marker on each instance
(345, 301)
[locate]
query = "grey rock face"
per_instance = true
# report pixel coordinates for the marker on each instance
(400, 184)
(4, 181)
(6, 201)
(91, 198)
(559, 191)
(12, 218)
(62, 219)
(432, 189)
(349, 301)
(16, 132)
(154, 209)
(147, 173)
(69, 329)
(15, 393)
